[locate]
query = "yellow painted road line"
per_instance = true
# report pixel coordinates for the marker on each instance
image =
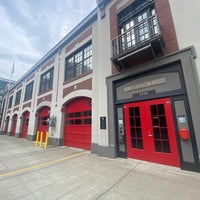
(43, 164)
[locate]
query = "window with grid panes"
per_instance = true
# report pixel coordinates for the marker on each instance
(79, 62)
(10, 102)
(18, 97)
(137, 23)
(29, 91)
(46, 80)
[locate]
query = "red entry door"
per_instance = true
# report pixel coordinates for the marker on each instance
(150, 132)
(25, 124)
(14, 122)
(43, 121)
(78, 123)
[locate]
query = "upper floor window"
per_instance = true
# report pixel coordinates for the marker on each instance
(29, 91)
(18, 97)
(46, 81)
(137, 23)
(79, 62)
(10, 102)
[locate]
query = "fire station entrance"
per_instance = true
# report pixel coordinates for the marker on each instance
(153, 112)
(25, 123)
(43, 121)
(150, 133)
(78, 123)
(14, 123)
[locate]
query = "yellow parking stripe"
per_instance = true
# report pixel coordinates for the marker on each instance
(43, 164)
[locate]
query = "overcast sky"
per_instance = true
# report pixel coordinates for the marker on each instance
(30, 28)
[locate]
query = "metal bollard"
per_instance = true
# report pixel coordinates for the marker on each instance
(37, 138)
(46, 140)
(41, 136)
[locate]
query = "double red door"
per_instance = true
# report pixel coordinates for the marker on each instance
(150, 132)
(25, 124)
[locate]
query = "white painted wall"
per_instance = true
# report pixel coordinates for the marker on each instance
(95, 94)
(103, 71)
(186, 16)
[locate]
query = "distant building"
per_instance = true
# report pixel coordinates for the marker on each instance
(3, 88)
(123, 83)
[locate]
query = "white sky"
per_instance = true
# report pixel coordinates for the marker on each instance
(30, 28)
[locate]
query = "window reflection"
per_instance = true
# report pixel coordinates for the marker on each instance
(79, 62)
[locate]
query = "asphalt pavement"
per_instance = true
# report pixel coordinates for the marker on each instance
(28, 172)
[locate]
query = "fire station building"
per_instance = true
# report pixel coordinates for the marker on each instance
(123, 83)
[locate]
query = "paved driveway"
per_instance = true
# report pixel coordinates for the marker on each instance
(28, 172)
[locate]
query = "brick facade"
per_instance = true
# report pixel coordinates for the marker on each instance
(83, 36)
(26, 105)
(167, 26)
(87, 85)
(44, 98)
(50, 62)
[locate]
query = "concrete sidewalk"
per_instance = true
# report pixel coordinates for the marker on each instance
(28, 172)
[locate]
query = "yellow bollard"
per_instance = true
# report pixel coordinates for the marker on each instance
(46, 140)
(41, 136)
(37, 138)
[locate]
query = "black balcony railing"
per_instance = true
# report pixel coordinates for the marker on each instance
(136, 37)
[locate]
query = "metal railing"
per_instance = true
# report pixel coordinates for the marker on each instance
(136, 36)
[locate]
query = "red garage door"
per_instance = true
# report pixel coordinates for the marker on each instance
(14, 122)
(43, 119)
(78, 124)
(25, 124)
